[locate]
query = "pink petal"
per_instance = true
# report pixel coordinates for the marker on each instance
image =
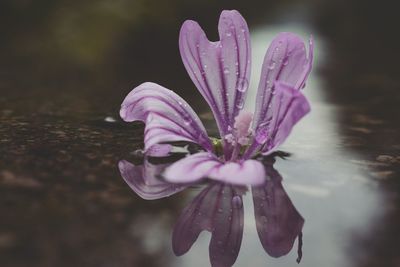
(205, 165)
(220, 70)
(285, 61)
(288, 106)
(143, 180)
(167, 116)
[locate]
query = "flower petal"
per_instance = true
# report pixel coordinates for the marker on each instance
(205, 165)
(287, 107)
(285, 61)
(142, 179)
(278, 222)
(159, 150)
(219, 210)
(220, 70)
(167, 116)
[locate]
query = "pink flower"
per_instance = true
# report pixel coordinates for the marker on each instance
(221, 70)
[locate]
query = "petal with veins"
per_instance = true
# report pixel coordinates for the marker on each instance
(205, 165)
(220, 70)
(285, 61)
(167, 116)
(287, 107)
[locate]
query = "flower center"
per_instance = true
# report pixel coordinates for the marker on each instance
(238, 138)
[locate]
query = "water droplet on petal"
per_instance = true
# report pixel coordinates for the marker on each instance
(187, 119)
(237, 202)
(242, 85)
(226, 71)
(228, 34)
(285, 61)
(261, 135)
(272, 65)
(240, 104)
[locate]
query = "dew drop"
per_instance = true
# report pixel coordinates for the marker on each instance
(242, 85)
(261, 135)
(237, 202)
(272, 65)
(187, 120)
(228, 34)
(285, 61)
(240, 104)
(226, 71)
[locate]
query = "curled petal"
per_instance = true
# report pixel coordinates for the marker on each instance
(278, 222)
(143, 180)
(167, 116)
(218, 209)
(287, 107)
(220, 70)
(285, 62)
(205, 165)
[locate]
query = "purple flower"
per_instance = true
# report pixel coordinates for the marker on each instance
(218, 208)
(221, 70)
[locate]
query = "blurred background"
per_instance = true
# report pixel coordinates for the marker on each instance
(65, 67)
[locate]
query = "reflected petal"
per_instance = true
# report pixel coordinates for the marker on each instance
(206, 165)
(277, 220)
(167, 116)
(220, 70)
(143, 180)
(218, 209)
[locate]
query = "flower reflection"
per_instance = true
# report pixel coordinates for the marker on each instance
(277, 220)
(219, 209)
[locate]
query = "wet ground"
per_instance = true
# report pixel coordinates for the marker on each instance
(64, 70)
